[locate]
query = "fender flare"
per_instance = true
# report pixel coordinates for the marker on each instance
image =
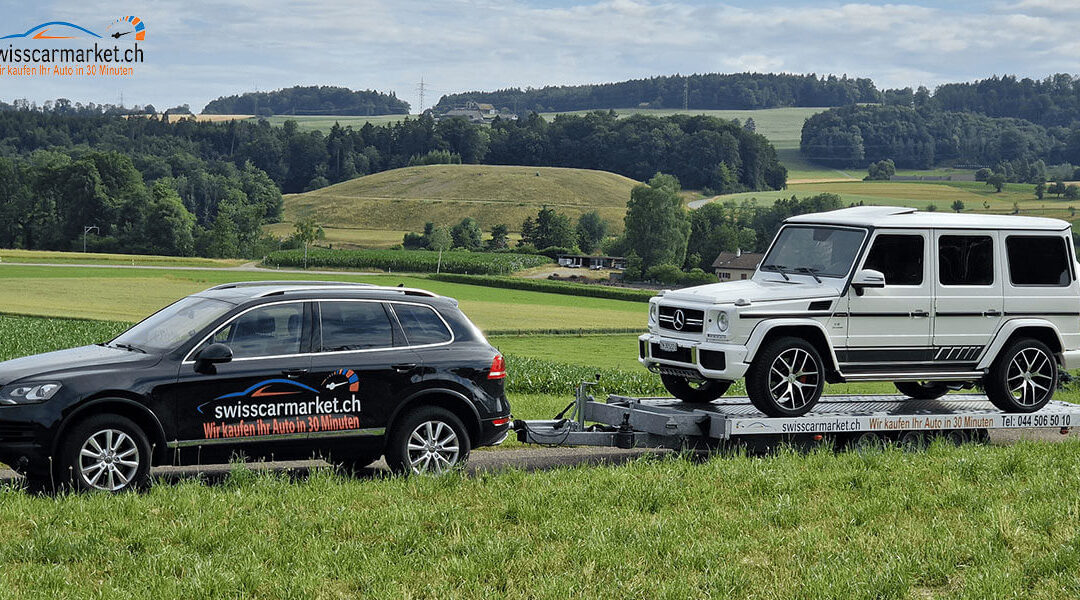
(417, 398)
(764, 327)
(1006, 330)
(111, 398)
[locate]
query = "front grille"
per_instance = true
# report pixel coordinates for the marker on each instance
(676, 372)
(16, 432)
(685, 320)
(679, 354)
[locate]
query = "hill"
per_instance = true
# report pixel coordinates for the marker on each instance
(404, 199)
(309, 100)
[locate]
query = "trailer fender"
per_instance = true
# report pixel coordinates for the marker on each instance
(764, 328)
(1008, 328)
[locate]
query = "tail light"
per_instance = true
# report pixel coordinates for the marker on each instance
(498, 367)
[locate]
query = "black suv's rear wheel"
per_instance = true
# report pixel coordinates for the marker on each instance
(1022, 377)
(105, 452)
(695, 391)
(786, 378)
(428, 440)
(922, 390)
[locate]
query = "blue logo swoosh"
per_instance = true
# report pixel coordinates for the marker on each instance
(49, 24)
(251, 389)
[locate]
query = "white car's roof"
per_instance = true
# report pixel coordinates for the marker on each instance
(897, 216)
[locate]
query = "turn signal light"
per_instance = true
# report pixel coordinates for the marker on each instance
(498, 367)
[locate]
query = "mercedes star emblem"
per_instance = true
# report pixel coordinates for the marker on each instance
(679, 319)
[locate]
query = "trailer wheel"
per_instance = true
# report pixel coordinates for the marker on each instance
(694, 391)
(922, 390)
(786, 379)
(867, 441)
(1022, 377)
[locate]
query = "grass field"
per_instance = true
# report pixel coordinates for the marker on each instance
(340, 237)
(404, 199)
(95, 258)
(323, 123)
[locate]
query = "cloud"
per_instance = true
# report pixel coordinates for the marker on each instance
(201, 49)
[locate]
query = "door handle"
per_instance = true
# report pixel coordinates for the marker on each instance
(403, 367)
(919, 313)
(294, 373)
(992, 313)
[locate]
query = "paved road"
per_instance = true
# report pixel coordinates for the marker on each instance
(528, 459)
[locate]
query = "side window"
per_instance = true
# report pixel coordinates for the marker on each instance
(421, 325)
(268, 331)
(899, 257)
(1042, 260)
(966, 260)
(355, 326)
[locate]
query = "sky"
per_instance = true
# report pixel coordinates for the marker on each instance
(198, 50)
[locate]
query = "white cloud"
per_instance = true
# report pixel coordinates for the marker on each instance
(201, 49)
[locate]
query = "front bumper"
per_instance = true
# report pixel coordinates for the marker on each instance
(710, 360)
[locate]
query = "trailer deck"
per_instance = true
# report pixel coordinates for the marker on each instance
(627, 422)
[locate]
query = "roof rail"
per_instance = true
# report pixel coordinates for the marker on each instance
(368, 287)
(243, 284)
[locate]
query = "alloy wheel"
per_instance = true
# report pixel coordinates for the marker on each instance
(433, 448)
(1030, 376)
(794, 378)
(108, 460)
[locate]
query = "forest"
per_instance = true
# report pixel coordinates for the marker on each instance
(704, 91)
(309, 100)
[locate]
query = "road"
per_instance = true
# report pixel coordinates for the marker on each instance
(489, 460)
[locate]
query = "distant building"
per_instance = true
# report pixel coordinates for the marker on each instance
(736, 265)
(476, 112)
(587, 261)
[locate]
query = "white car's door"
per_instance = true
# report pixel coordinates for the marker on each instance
(890, 327)
(968, 294)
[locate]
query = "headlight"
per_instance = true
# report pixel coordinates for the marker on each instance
(722, 321)
(653, 311)
(28, 393)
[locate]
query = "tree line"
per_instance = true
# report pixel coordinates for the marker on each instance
(699, 91)
(309, 100)
(1052, 101)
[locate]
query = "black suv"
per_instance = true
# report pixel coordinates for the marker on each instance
(277, 370)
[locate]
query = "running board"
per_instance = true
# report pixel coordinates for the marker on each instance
(914, 376)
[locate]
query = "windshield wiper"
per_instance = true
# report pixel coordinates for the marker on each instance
(778, 268)
(130, 348)
(812, 271)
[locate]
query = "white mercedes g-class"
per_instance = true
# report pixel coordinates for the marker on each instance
(930, 301)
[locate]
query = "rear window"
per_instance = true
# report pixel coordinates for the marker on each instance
(966, 260)
(1038, 260)
(421, 324)
(355, 326)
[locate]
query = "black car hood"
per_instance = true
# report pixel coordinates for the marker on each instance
(82, 360)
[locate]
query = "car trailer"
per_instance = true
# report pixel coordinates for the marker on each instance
(858, 421)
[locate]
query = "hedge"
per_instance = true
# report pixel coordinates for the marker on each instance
(410, 261)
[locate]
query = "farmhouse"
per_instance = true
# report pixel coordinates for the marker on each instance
(578, 261)
(736, 265)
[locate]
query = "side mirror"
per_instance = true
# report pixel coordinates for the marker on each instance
(867, 278)
(214, 354)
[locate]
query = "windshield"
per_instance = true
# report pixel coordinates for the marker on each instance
(172, 325)
(821, 251)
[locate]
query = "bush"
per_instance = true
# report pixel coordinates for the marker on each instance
(698, 277)
(983, 174)
(414, 241)
(668, 274)
(548, 286)
(414, 261)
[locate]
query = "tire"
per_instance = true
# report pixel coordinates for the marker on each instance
(108, 453)
(922, 390)
(685, 390)
(791, 361)
(1022, 377)
(421, 442)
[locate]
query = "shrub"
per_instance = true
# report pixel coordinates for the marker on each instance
(414, 261)
(668, 274)
(698, 277)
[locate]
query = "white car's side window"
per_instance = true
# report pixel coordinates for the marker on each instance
(898, 257)
(966, 260)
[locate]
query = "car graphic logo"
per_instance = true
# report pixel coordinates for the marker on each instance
(263, 389)
(679, 319)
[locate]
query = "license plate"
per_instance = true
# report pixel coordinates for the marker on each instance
(669, 346)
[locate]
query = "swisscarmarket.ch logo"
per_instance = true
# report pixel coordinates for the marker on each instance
(62, 48)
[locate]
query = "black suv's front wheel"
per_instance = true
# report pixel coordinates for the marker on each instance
(786, 378)
(428, 440)
(695, 391)
(106, 452)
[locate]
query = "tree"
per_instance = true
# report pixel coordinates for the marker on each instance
(306, 231)
(1058, 187)
(551, 229)
(1072, 192)
(958, 206)
(499, 237)
(997, 180)
(983, 174)
(750, 125)
(657, 226)
(591, 230)
(882, 170)
(169, 226)
(931, 208)
(467, 234)
(1040, 190)
(440, 240)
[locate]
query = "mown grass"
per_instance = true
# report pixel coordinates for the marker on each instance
(969, 522)
(97, 258)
